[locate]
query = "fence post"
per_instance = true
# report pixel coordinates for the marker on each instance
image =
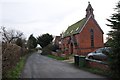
(76, 60)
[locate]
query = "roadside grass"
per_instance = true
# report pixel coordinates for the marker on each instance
(57, 57)
(16, 71)
(98, 71)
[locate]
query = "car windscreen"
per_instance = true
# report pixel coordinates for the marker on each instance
(100, 50)
(103, 50)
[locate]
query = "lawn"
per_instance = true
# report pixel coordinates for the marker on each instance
(57, 57)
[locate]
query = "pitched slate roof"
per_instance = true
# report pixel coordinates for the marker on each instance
(75, 28)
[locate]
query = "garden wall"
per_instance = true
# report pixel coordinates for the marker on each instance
(97, 64)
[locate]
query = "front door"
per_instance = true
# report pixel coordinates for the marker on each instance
(71, 48)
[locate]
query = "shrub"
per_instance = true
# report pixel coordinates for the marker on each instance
(11, 54)
(46, 51)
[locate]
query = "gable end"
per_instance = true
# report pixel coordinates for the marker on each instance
(95, 23)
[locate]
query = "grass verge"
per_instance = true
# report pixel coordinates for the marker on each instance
(96, 71)
(57, 57)
(15, 72)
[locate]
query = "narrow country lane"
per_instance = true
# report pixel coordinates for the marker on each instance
(38, 66)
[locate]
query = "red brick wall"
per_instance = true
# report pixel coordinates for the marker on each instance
(65, 46)
(94, 64)
(84, 39)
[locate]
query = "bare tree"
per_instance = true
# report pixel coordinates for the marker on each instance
(11, 35)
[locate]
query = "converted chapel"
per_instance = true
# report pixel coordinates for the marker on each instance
(83, 36)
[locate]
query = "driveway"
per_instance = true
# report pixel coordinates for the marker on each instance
(38, 66)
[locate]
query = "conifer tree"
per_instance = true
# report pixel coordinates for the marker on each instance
(115, 42)
(44, 40)
(32, 42)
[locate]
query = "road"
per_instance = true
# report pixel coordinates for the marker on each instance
(38, 66)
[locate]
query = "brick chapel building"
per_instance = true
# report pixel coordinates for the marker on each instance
(83, 36)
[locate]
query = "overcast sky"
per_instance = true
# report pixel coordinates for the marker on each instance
(51, 16)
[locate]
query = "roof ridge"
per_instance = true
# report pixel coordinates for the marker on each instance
(77, 21)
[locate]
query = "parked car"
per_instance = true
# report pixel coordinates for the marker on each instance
(99, 54)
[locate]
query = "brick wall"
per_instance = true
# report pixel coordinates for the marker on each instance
(97, 64)
(84, 39)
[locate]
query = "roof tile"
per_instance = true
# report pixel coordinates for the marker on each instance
(74, 29)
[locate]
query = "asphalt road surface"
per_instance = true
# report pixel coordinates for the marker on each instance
(38, 66)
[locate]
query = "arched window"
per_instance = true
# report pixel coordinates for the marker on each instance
(92, 37)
